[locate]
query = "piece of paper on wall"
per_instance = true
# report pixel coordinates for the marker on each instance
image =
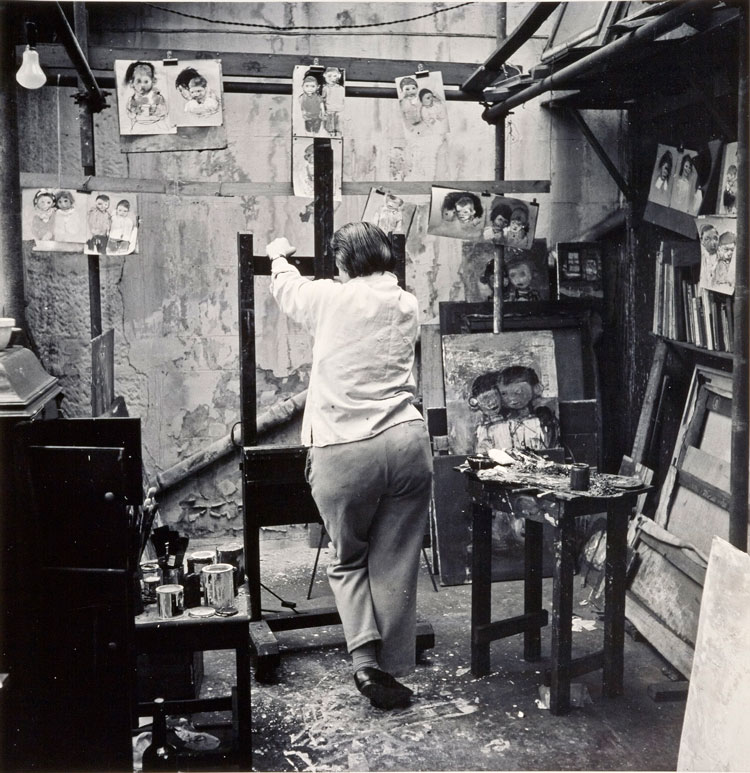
(685, 196)
(718, 240)
(727, 204)
(501, 391)
(510, 222)
(388, 211)
(195, 92)
(303, 167)
(662, 176)
(122, 238)
(456, 213)
(143, 97)
(422, 104)
(318, 101)
(54, 219)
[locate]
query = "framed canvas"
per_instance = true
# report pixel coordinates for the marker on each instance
(388, 211)
(579, 270)
(501, 391)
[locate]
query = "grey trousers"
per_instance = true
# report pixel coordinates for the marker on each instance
(373, 496)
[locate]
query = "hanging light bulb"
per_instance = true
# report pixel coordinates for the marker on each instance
(30, 74)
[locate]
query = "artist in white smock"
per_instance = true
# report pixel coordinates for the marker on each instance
(369, 462)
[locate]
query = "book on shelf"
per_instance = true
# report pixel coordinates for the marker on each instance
(683, 310)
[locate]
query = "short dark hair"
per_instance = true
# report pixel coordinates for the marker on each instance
(133, 66)
(516, 373)
(484, 382)
(362, 249)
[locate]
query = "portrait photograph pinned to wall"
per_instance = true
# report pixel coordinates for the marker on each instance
(303, 167)
(318, 101)
(54, 219)
(579, 270)
(122, 237)
(718, 241)
(501, 391)
(662, 176)
(511, 222)
(422, 104)
(143, 97)
(389, 211)
(195, 93)
(457, 214)
(727, 204)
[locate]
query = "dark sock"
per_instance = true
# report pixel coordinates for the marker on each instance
(364, 657)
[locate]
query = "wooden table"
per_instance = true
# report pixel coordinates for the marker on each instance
(559, 509)
(195, 634)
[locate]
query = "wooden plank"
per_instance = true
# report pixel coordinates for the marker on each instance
(274, 188)
(102, 372)
(673, 649)
(186, 138)
(714, 731)
(431, 367)
(244, 64)
(668, 691)
(646, 420)
(677, 558)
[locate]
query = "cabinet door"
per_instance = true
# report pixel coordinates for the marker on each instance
(74, 605)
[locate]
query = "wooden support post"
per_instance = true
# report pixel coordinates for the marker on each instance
(323, 159)
(95, 297)
(85, 116)
(246, 274)
(738, 513)
(497, 291)
(398, 245)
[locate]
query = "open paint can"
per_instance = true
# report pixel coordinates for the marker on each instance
(218, 585)
(200, 558)
(169, 601)
(234, 554)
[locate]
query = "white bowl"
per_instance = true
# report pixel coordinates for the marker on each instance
(6, 328)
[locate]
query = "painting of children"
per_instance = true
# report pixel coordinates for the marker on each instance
(500, 391)
(391, 212)
(70, 219)
(98, 221)
(525, 274)
(579, 270)
(196, 97)
(142, 106)
(727, 204)
(121, 239)
(718, 240)
(303, 167)
(456, 214)
(660, 191)
(333, 100)
(421, 104)
(511, 222)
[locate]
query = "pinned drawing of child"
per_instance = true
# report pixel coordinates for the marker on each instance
(43, 219)
(200, 100)
(121, 230)
(333, 100)
(311, 103)
(146, 106)
(67, 223)
(99, 220)
(391, 215)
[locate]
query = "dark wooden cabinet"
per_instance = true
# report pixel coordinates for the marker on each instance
(73, 599)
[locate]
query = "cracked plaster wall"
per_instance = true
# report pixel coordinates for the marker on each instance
(173, 305)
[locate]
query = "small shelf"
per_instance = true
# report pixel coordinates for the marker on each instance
(700, 350)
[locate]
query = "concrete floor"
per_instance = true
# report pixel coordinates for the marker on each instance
(314, 719)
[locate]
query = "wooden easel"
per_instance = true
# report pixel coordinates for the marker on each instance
(274, 489)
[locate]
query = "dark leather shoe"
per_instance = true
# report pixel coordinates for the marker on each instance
(381, 688)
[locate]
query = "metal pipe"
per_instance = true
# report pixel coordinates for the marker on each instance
(616, 50)
(738, 488)
(96, 98)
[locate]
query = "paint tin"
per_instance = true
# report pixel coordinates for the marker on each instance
(218, 585)
(234, 554)
(150, 583)
(579, 477)
(169, 601)
(200, 558)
